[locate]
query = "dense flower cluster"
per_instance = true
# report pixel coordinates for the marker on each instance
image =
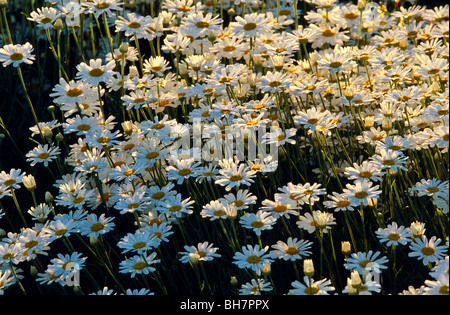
(156, 187)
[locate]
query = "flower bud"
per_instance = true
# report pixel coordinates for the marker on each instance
(29, 182)
(308, 267)
(356, 279)
(49, 197)
(123, 48)
(58, 24)
(266, 269)
(194, 258)
(346, 248)
(93, 239)
(361, 5)
(59, 137)
(3, 4)
(127, 127)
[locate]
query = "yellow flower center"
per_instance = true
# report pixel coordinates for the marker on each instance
(30, 244)
(202, 24)
(364, 263)
(428, 251)
(184, 172)
(433, 71)
(74, 92)
(377, 137)
(151, 155)
(129, 172)
(97, 227)
(175, 208)
(16, 56)
(365, 174)
(158, 195)
(388, 162)
(335, 64)
(83, 127)
(201, 253)
(133, 205)
(225, 80)
(103, 140)
(257, 224)
(249, 26)
(235, 178)
(395, 147)
(238, 203)
(139, 245)
(46, 20)
(139, 265)
(274, 83)
(280, 208)
(256, 167)
(8, 256)
(43, 155)
(134, 25)
(229, 48)
(343, 203)
(394, 236)
(183, 8)
(351, 15)
(253, 259)
(78, 200)
(60, 232)
(9, 182)
(96, 72)
(444, 289)
(312, 121)
(361, 194)
(328, 33)
(292, 251)
(432, 189)
(102, 5)
(158, 126)
(219, 213)
(312, 290)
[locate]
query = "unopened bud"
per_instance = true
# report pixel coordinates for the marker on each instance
(368, 121)
(3, 4)
(33, 271)
(123, 48)
(59, 137)
(266, 269)
(361, 5)
(356, 279)
(93, 239)
(58, 24)
(346, 248)
(47, 132)
(49, 197)
(127, 127)
(194, 258)
(308, 267)
(29, 182)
